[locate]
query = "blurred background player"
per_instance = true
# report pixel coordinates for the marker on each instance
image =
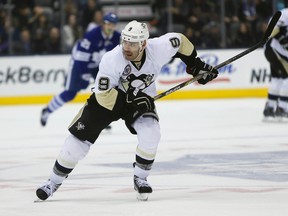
(276, 52)
(85, 59)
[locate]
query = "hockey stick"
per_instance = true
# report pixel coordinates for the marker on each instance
(265, 38)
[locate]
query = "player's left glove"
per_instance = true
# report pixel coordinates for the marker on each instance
(142, 102)
(200, 67)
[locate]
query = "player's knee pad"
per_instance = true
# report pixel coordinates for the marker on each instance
(148, 134)
(72, 151)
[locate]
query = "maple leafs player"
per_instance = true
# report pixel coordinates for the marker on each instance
(276, 52)
(85, 59)
(124, 89)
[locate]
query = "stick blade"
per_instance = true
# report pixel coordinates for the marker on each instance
(271, 25)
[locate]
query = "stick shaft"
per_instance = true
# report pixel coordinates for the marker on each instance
(196, 78)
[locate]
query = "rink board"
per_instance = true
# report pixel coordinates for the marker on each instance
(35, 79)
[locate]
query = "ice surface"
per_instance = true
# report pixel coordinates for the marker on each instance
(216, 157)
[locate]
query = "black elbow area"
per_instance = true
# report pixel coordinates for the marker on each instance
(188, 60)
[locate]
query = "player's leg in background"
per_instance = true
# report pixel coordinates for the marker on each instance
(75, 81)
(282, 108)
(275, 83)
(273, 96)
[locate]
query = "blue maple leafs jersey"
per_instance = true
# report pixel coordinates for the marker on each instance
(87, 52)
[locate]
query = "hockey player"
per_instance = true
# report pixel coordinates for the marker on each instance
(124, 89)
(86, 56)
(276, 52)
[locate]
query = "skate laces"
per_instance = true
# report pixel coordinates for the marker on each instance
(50, 187)
(141, 182)
(281, 112)
(45, 114)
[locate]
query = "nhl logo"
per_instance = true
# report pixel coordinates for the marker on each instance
(127, 70)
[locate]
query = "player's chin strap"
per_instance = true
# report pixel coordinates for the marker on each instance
(141, 49)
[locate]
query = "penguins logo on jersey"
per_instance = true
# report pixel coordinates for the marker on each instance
(141, 82)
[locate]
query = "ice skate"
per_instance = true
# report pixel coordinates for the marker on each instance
(47, 190)
(44, 116)
(142, 187)
(281, 114)
(268, 113)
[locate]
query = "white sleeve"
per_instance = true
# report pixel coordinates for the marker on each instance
(165, 47)
(106, 81)
(107, 76)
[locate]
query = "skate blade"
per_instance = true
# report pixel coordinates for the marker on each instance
(272, 119)
(38, 200)
(142, 196)
(268, 119)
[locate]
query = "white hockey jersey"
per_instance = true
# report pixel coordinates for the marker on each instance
(116, 71)
(282, 22)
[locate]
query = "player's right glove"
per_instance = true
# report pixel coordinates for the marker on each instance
(140, 101)
(200, 67)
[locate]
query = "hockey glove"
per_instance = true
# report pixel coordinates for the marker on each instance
(140, 101)
(209, 72)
